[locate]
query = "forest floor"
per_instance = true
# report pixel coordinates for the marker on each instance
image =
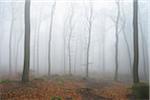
(65, 88)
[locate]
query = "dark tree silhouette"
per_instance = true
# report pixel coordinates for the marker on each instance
(136, 43)
(25, 76)
(50, 36)
(117, 39)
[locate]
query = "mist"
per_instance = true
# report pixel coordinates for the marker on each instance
(89, 39)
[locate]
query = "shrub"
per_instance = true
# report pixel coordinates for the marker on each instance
(56, 98)
(141, 90)
(4, 81)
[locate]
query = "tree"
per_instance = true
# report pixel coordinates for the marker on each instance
(64, 44)
(69, 39)
(125, 39)
(10, 42)
(145, 53)
(50, 36)
(34, 47)
(18, 43)
(103, 21)
(25, 76)
(40, 20)
(136, 43)
(117, 39)
(90, 23)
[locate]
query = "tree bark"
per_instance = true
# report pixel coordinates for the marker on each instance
(117, 40)
(89, 39)
(136, 43)
(145, 53)
(50, 35)
(70, 38)
(17, 52)
(25, 76)
(126, 41)
(38, 62)
(10, 43)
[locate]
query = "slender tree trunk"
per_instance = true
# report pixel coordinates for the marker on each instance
(117, 40)
(64, 51)
(104, 58)
(64, 56)
(10, 43)
(89, 39)
(25, 76)
(145, 53)
(50, 35)
(88, 52)
(75, 58)
(38, 62)
(69, 39)
(126, 41)
(103, 44)
(38, 51)
(17, 52)
(128, 49)
(64, 43)
(136, 44)
(69, 52)
(34, 48)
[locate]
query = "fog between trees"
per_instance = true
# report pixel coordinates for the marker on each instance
(87, 38)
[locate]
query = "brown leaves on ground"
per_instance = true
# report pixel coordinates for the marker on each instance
(66, 90)
(117, 91)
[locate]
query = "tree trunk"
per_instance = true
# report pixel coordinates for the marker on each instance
(25, 76)
(10, 43)
(38, 62)
(89, 40)
(50, 35)
(128, 49)
(126, 41)
(64, 49)
(17, 52)
(136, 44)
(117, 40)
(69, 40)
(145, 53)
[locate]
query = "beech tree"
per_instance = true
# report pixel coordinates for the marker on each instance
(10, 42)
(50, 36)
(90, 23)
(124, 23)
(117, 39)
(70, 38)
(135, 41)
(26, 68)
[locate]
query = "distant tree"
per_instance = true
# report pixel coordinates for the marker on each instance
(117, 39)
(145, 52)
(136, 43)
(126, 40)
(70, 37)
(50, 36)
(38, 32)
(10, 42)
(64, 45)
(25, 76)
(90, 23)
(17, 51)
(75, 57)
(34, 46)
(103, 43)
